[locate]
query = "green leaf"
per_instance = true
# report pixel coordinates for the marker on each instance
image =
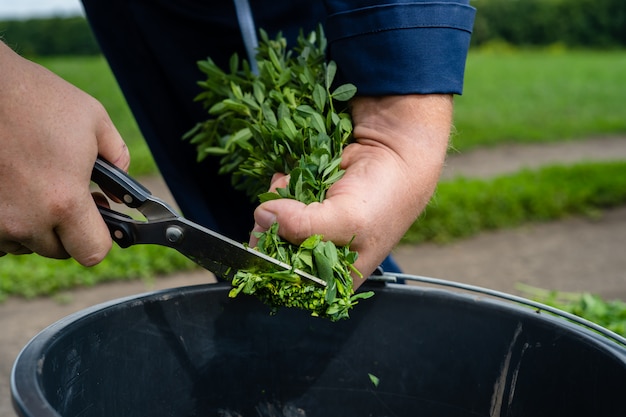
(258, 89)
(283, 111)
(215, 150)
(317, 122)
(239, 138)
(236, 89)
(363, 295)
(333, 165)
(331, 70)
(306, 110)
(288, 127)
(268, 196)
(234, 63)
(344, 92)
(268, 114)
(319, 97)
(275, 60)
(335, 177)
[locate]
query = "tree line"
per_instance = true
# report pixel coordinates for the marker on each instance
(573, 23)
(49, 36)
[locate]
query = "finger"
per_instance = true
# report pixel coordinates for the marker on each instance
(100, 199)
(84, 234)
(45, 244)
(111, 146)
(22, 250)
(15, 248)
(279, 180)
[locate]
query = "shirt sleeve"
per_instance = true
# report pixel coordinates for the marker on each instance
(417, 47)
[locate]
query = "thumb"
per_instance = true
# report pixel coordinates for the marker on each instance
(298, 221)
(85, 236)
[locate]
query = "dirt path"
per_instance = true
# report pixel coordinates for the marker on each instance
(572, 255)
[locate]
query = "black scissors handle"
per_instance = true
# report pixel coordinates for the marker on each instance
(125, 230)
(119, 184)
(120, 225)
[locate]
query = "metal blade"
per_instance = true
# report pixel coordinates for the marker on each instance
(215, 252)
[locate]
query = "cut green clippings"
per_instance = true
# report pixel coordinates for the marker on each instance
(374, 379)
(289, 118)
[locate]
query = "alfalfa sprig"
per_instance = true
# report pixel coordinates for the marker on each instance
(288, 118)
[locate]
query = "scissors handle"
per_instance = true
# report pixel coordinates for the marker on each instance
(121, 226)
(119, 184)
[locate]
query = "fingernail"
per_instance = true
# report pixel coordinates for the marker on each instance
(264, 218)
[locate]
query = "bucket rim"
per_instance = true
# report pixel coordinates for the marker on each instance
(448, 284)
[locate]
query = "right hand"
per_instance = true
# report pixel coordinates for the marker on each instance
(50, 136)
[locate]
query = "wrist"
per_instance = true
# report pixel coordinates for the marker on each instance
(414, 127)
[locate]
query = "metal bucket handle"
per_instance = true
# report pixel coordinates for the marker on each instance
(397, 277)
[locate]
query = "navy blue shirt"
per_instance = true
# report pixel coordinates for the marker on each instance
(152, 46)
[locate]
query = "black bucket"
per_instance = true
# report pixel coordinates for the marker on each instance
(408, 351)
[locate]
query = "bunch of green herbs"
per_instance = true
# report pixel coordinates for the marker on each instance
(287, 118)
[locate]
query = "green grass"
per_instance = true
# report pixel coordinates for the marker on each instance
(540, 96)
(31, 275)
(512, 96)
(464, 207)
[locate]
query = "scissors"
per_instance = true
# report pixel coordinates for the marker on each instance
(164, 226)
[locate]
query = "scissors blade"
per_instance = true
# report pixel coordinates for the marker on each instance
(217, 253)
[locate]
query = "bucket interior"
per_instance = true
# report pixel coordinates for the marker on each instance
(407, 351)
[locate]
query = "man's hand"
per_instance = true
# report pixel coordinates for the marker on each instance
(392, 170)
(50, 135)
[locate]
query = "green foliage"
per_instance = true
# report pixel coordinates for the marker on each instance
(575, 23)
(291, 119)
(608, 314)
(50, 36)
(31, 275)
(464, 207)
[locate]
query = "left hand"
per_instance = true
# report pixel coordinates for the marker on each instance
(392, 169)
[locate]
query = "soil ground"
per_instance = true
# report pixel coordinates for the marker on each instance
(576, 254)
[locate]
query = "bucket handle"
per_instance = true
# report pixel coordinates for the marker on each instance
(397, 277)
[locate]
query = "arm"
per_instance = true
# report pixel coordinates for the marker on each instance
(50, 135)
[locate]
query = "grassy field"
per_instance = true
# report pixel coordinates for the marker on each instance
(540, 96)
(510, 96)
